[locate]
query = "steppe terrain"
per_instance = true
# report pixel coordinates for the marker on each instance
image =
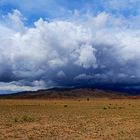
(70, 119)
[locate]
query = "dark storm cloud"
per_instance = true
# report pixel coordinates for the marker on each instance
(90, 50)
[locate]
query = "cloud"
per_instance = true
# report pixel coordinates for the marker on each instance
(15, 19)
(100, 48)
(18, 87)
(84, 76)
(86, 57)
(61, 74)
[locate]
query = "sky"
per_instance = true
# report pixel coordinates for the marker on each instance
(69, 43)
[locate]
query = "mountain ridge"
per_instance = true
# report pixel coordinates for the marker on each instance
(64, 93)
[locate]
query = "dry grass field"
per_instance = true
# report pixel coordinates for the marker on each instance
(96, 119)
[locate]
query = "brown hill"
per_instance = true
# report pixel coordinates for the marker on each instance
(59, 93)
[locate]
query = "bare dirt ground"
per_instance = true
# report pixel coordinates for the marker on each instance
(96, 119)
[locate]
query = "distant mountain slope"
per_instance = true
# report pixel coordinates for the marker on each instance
(67, 93)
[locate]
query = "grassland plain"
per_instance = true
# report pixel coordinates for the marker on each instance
(79, 119)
